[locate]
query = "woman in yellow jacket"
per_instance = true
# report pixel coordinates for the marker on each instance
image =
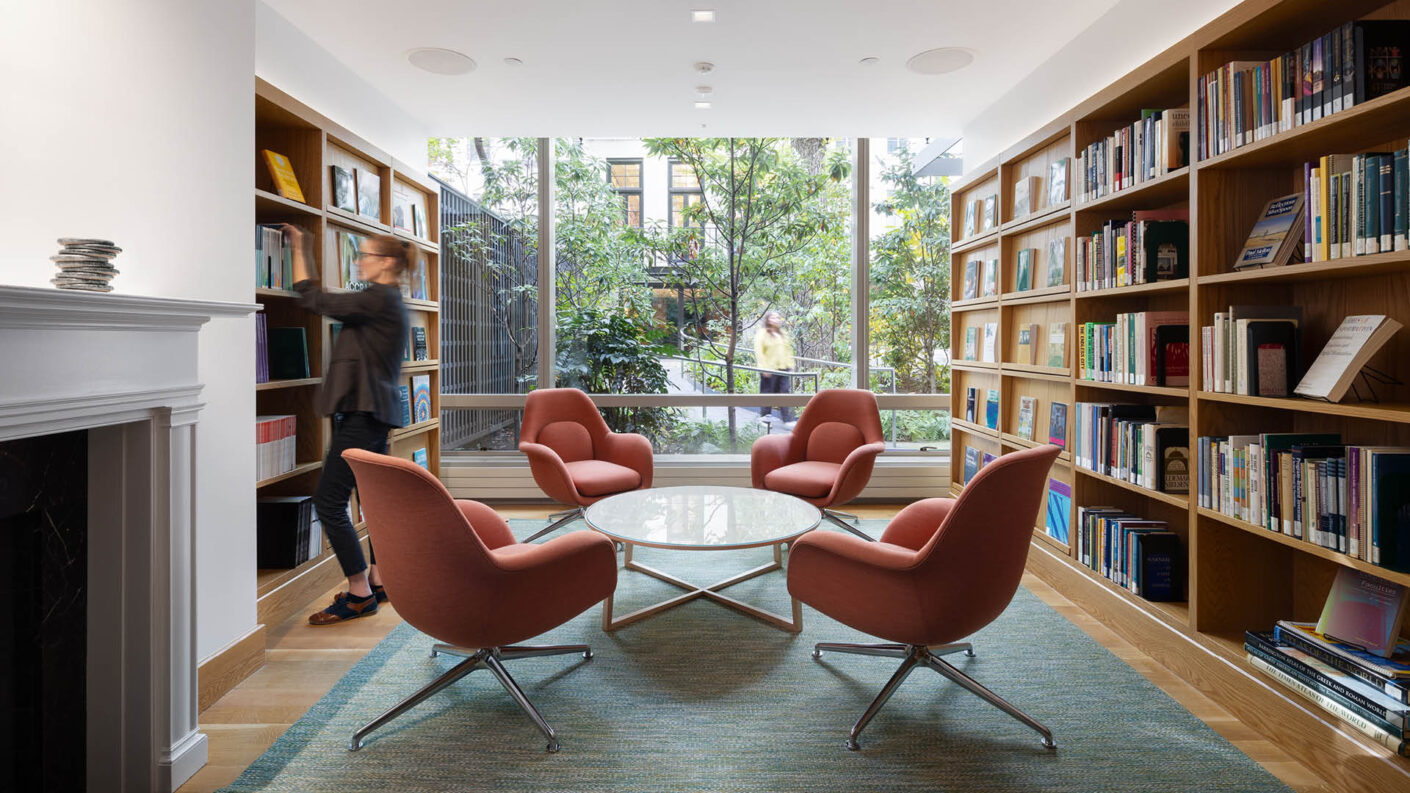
(773, 351)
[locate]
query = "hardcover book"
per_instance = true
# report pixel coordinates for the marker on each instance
(404, 392)
(971, 343)
(991, 212)
(991, 277)
(1345, 354)
(1057, 425)
(971, 396)
(1395, 666)
(971, 218)
(1057, 261)
(971, 280)
(281, 171)
(369, 194)
(1057, 182)
(991, 409)
(1364, 610)
(344, 192)
(1059, 514)
(1275, 235)
(1026, 259)
(288, 353)
(401, 213)
(418, 343)
(1057, 345)
(971, 463)
(1027, 406)
(991, 333)
(419, 457)
(1025, 195)
(421, 397)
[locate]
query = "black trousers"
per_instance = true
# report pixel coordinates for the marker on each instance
(335, 484)
(776, 384)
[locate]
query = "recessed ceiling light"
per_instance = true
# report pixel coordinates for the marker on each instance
(941, 61)
(704, 90)
(869, 61)
(702, 105)
(513, 62)
(441, 61)
(702, 15)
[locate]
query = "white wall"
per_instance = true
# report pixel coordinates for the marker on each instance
(295, 64)
(133, 120)
(1128, 35)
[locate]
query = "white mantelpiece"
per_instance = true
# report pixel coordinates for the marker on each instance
(125, 369)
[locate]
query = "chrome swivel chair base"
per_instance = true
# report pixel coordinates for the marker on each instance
(914, 655)
(490, 658)
(841, 518)
(559, 519)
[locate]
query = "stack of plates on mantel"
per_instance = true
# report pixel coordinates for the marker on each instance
(85, 264)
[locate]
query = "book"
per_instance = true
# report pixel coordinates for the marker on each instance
(971, 280)
(1388, 509)
(1357, 339)
(369, 193)
(1394, 667)
(971, 343)
(417, 278)
(1026, 192)
(1057, 181)
(1365, 697)
(419, 457)
(1275, 235)
(1057, 345)
(1027, 344)
(1366, 726)
(991, 334)
(286, 183)
(1364, 610)
(347, 259)
(288, 353)
(971, 463)
(971, 395)
(344, 191)
(991, 409)
(1059, 513)
(991, 278)
(404, 393)
(282, 528)
(971, 218)
(1172, 355)
(1027, 406)
(261, 348)
(401, 212)
(418, 343)
(421, 397)
(991, 212)
(1057, 424)
(1027, 258)
(1057, 261)
(418, 221)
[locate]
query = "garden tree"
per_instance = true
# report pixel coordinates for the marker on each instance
(758, 213)
(600, 265)
(910, 277)
(449, 158)
(612, 353)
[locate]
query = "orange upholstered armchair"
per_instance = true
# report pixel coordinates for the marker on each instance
(944, 568)
(828, 458)
(574, 457)
(456, 574)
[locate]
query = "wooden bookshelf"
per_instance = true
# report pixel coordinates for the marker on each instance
(314, 144)
(1240, 576)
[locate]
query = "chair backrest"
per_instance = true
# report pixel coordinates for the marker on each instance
(834, 422)
(972, 566)
(566, 421)
(431, 560)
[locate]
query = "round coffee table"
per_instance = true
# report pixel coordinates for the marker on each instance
(703, 518)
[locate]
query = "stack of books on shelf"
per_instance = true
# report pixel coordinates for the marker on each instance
(1147, 149)
(1313, 487)
(1357, 205)
(1252, 350)
(1352, 662)
(274, 261)
(1153, 246)
(274, 445)
(1145, 445)
(1248, 100)
(287, 531)
(1143, 348)
(1139, 555)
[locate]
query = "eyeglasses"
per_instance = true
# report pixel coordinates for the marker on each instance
(369, 253)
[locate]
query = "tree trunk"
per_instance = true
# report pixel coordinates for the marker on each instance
(810, 150)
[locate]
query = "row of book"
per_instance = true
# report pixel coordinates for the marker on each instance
(1141, 556)
(981, 277)
(280, 353)
(274, 259)
(1153, 246)
(1144, 150)
(1029, 344)
(1142, 348)
(1245, 101)
(1252, 350)
(1357, 205)
(1145, 445)
(1313, 487)
(1029, 195)
(275, 449)
(1027, 415)
(287, 531)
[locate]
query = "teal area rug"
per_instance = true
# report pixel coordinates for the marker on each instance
(703, 698)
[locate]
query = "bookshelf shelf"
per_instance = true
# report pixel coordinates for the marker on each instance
(1050, 294)
(415, 429)
(1057, 213)
(975, 366)
(1171, 188)
(1036, 372)
(1176, 613)
(1306, 547)
(360, 223)
(262, 291)
(1392, 412)
(420, 366)
(1369, 266)
(1166, 391)
(978, 241)
(274, 385)
(1177, 285)
(269, 204)
(422, 305)
(972, 428)
(419, 242)
(298, 470)
(973, 303)
(1173, 499)
(1041, 534)
(1023, 443)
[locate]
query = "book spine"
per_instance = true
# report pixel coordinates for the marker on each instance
(1371, 179)
(1386, 168)
(1393, 719)
(1295, 639)
(1365, 725)
(1402, 197)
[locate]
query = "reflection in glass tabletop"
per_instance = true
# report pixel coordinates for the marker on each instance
(702, 517)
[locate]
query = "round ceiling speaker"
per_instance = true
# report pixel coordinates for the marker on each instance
(942, 60)
(441, 61)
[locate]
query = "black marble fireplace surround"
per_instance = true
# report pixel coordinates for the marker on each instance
(43, 612)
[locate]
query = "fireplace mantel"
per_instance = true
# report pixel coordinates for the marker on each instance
(124, 368)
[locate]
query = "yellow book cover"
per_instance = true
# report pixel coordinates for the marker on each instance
(282, 172)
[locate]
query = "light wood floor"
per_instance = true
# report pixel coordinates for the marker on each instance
(303, 663)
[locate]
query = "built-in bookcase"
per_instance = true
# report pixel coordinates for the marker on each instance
(1240, 576)
(314, 145)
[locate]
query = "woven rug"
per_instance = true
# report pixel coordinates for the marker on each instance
(703, 698)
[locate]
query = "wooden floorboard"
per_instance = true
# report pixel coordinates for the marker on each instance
(303, 663)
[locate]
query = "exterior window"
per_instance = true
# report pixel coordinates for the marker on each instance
(625, 178)
(685, 192)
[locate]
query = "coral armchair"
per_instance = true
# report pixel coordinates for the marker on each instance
(944, 569)
(457, 574)
(574, 457)
(828, 458)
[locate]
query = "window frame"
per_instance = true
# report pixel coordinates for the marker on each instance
(638, 191)
(672, 191)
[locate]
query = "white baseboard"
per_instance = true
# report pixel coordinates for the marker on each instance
(186, 758)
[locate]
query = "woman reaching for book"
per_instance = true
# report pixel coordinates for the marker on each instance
(359, 392)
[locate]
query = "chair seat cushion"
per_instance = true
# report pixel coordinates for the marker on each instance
(600, 478)
(809, 479)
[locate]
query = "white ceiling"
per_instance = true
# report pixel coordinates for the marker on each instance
(602, 68)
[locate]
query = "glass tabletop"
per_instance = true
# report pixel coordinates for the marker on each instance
(702, 517)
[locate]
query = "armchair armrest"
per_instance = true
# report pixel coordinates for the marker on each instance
(767, 453)
(632, 450)
(914, 526)
(859, 583)
(550, 474)
(855, 472)
(556, 580)
(488, 525)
